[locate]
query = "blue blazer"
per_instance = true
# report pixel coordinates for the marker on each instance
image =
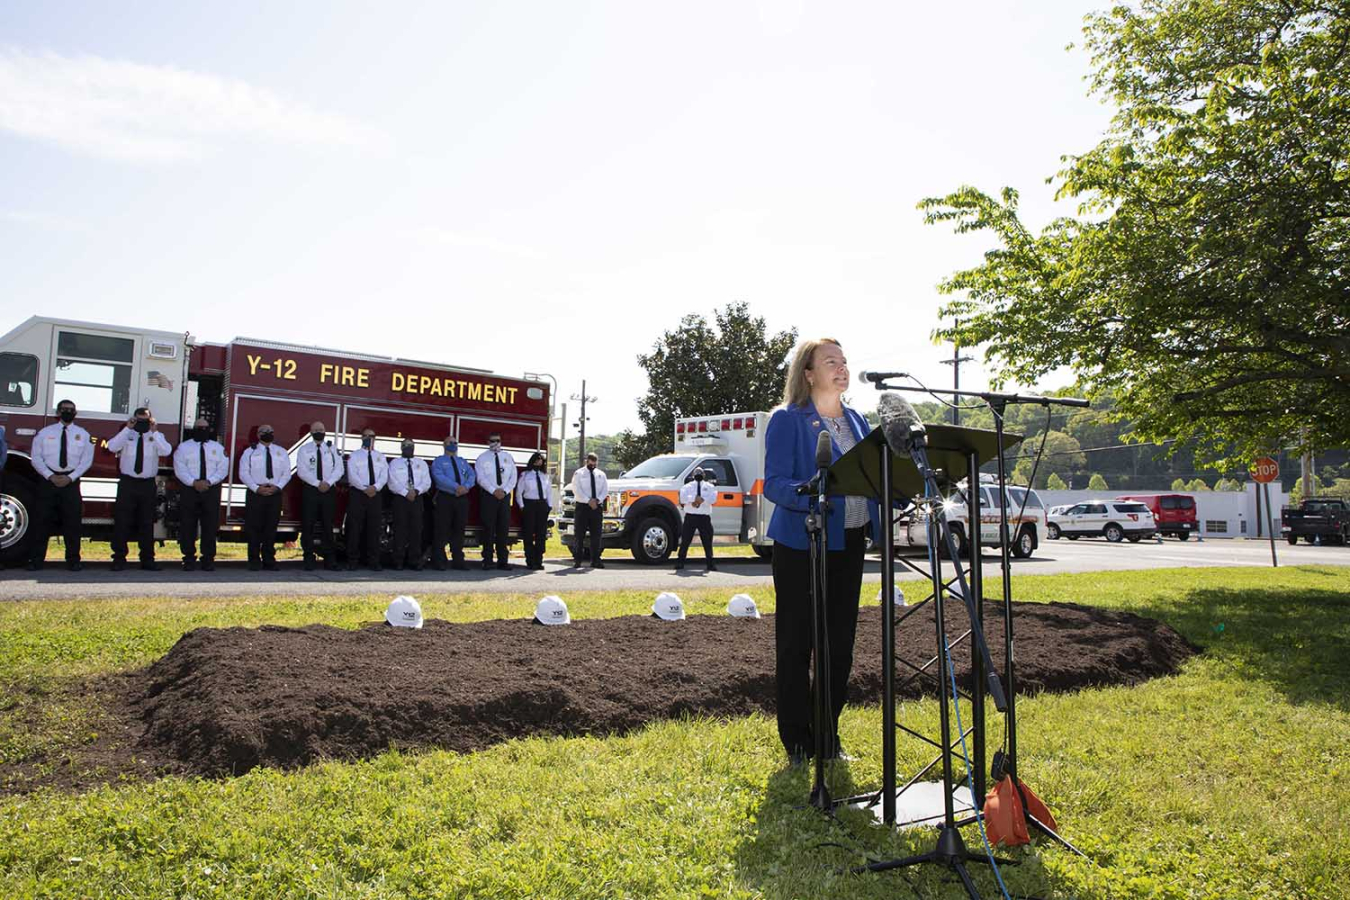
(790, 461)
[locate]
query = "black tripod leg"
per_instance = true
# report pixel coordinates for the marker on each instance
(960, 869)
(1053, 835)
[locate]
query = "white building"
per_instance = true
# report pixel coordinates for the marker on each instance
(1220, 514)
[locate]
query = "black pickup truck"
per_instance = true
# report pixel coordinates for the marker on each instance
(1324, 517)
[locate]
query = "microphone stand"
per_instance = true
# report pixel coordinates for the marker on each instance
(1004, 764)
(817, 539)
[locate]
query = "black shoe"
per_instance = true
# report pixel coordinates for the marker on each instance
(271, 566)
(309, 565)
(460, 566)
(34, 566)
(679, 564)
(189, 565)
(416, 567)
(597, 565)
(712, 568)
(151, 566)
(208, 565)
(503, 566)
(330, 567)
(254, 566)
(75, 566)
(438, 566)
(576, 564)
(798, 758)
(397, 567)
(118, 565)
(487, 564)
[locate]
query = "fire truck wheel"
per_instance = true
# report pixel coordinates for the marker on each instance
(16, 519)
(653, 540)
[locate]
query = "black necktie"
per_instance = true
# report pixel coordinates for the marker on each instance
(318, 459)
(454, 467)
(593, 494)
(202, 448)
(63, 461)
(411, 485)
(539, 484)
(370, 464)
(497, 458)
(267, 451)
(140, 453)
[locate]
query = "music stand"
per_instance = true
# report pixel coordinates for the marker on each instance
(870, 469)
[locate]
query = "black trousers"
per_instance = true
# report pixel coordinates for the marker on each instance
(792, 636)
(261, 515)
(57, 506)
(495, 517)
(134, 514)
(534, 530)
(407, 543)
(198, 512)
(703, 526)
(452, 517)
(317, 510)
(365, 523)
(588, 521)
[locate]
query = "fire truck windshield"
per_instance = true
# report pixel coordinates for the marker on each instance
(660, 467)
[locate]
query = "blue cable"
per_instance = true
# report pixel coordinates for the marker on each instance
(961, 733)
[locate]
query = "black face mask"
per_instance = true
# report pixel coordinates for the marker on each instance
(408, 452)
(318, 436)
(142, 425)
(698, 476)
(202, 435)
(265, 437)
(367, 441)
(67, 416)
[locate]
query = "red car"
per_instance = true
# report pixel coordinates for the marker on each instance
(1173, 513)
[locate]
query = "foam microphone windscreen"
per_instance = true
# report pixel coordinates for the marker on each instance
(824, 452)
(898, 421)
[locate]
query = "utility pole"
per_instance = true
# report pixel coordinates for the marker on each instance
(1308, 472)
(581, 448)
(955, 363)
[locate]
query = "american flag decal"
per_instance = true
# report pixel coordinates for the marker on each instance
(158, 379)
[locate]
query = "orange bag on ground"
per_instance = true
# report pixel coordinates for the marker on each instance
(1005, 820)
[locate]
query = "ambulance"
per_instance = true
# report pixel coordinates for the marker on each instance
(110, 370)
(642, 510)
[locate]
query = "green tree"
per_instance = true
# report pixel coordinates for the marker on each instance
(1097, 483)
(1055, 483)
(1179, 484)
(1206, 279)
(1062, 457)
(733, 365)
(1296, 492)
(1197, 484)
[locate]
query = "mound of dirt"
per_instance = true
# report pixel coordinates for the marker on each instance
(223, 701)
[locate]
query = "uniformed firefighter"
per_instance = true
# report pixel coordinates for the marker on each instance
(200, 464)
(139, 446)
(496, 476)
(454, 478)
(697, 498)
(62, 453)
(319, 466)
(409, 479)
(367, 474)
(534, 493)
(265, 469)
(590, 487)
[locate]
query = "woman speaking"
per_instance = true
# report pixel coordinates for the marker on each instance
(812, 403)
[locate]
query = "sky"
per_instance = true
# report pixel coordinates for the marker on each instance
(525, 186)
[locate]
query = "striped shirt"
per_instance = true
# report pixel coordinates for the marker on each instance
(855, 508)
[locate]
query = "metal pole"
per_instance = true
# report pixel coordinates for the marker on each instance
(977, 672)
(887, 644)
(582, 446)
(1273, 561)
(1257, 492)
(562, 449)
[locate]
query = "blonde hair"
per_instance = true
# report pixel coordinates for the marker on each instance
(797, 390)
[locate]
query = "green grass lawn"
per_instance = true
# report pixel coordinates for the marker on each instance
(1221, 782)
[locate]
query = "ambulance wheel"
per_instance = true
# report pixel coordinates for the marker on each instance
(653, 541)
(764, 552)
(1025, 544)
(16, 519)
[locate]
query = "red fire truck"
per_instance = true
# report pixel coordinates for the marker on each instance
(109, 370)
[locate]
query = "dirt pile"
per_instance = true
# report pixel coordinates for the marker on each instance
(223, 701)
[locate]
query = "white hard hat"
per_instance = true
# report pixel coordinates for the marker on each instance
(899, 596)
(404, 612)
(668, 607)
(743, 606)
(552, 610)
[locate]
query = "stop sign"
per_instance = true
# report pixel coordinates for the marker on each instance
(1265, 469)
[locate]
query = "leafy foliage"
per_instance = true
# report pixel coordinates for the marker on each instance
(733, 365)
(1206, 281)
(1097, 482)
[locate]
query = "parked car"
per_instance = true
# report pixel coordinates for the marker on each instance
(1173, 513)
(1327, 518)
(1115, 520)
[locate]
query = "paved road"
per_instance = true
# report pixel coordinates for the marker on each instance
(621, 573)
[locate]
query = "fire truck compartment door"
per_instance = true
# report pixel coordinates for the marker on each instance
(290, 420)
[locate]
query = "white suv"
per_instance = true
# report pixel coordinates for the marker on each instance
(1026, 520)
(1115, 520)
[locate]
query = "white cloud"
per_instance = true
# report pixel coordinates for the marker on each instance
(477, 242)
(153, 114)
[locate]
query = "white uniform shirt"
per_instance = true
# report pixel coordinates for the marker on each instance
(705, 489)
(485, 467)
(47, 451)
(306, 463)
(187, 462)
(358, 469)
(253, 466)
(124, 445)
(534, 485)
(581, 486)
(398, 475)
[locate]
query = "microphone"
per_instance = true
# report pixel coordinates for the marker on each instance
(900, 423)
(877, 377)
(824, 452)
